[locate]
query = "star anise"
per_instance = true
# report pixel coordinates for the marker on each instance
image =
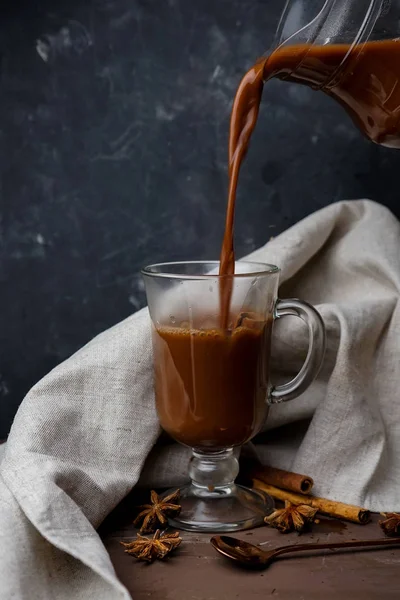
(148, 549)
(391, 524)
(155, 514)
(292, 517)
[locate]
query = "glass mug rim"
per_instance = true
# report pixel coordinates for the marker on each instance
(170, 270)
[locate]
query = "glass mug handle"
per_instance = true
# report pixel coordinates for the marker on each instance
(315, 354)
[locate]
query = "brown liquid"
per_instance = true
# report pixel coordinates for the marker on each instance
(367, 85)
(210, 386)
(243, 121)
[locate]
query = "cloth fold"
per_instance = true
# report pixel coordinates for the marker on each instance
(84, 433)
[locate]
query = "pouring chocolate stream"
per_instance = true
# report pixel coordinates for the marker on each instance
(364, 79)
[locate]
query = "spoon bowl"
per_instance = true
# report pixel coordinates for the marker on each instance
(241, 551)
(253, 556)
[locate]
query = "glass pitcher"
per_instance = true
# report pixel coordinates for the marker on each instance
(349, 49)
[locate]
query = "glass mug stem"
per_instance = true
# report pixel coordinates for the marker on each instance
(213, 502)
(213, 473)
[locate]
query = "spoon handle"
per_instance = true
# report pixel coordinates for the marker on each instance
(336, 545)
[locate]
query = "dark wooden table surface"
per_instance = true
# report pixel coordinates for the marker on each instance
(196, 572)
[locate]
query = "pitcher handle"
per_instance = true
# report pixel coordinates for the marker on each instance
(315, 354)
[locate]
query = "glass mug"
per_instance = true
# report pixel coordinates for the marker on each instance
(350, 50)
(212, 385)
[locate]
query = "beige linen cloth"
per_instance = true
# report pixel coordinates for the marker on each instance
(82, 435)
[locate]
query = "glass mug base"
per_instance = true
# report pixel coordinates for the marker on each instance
(224, 509)
(212, 502)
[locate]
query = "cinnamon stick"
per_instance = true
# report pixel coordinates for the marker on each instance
(300, 484)
(347, 512)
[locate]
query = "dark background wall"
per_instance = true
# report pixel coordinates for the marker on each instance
(113, 137)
